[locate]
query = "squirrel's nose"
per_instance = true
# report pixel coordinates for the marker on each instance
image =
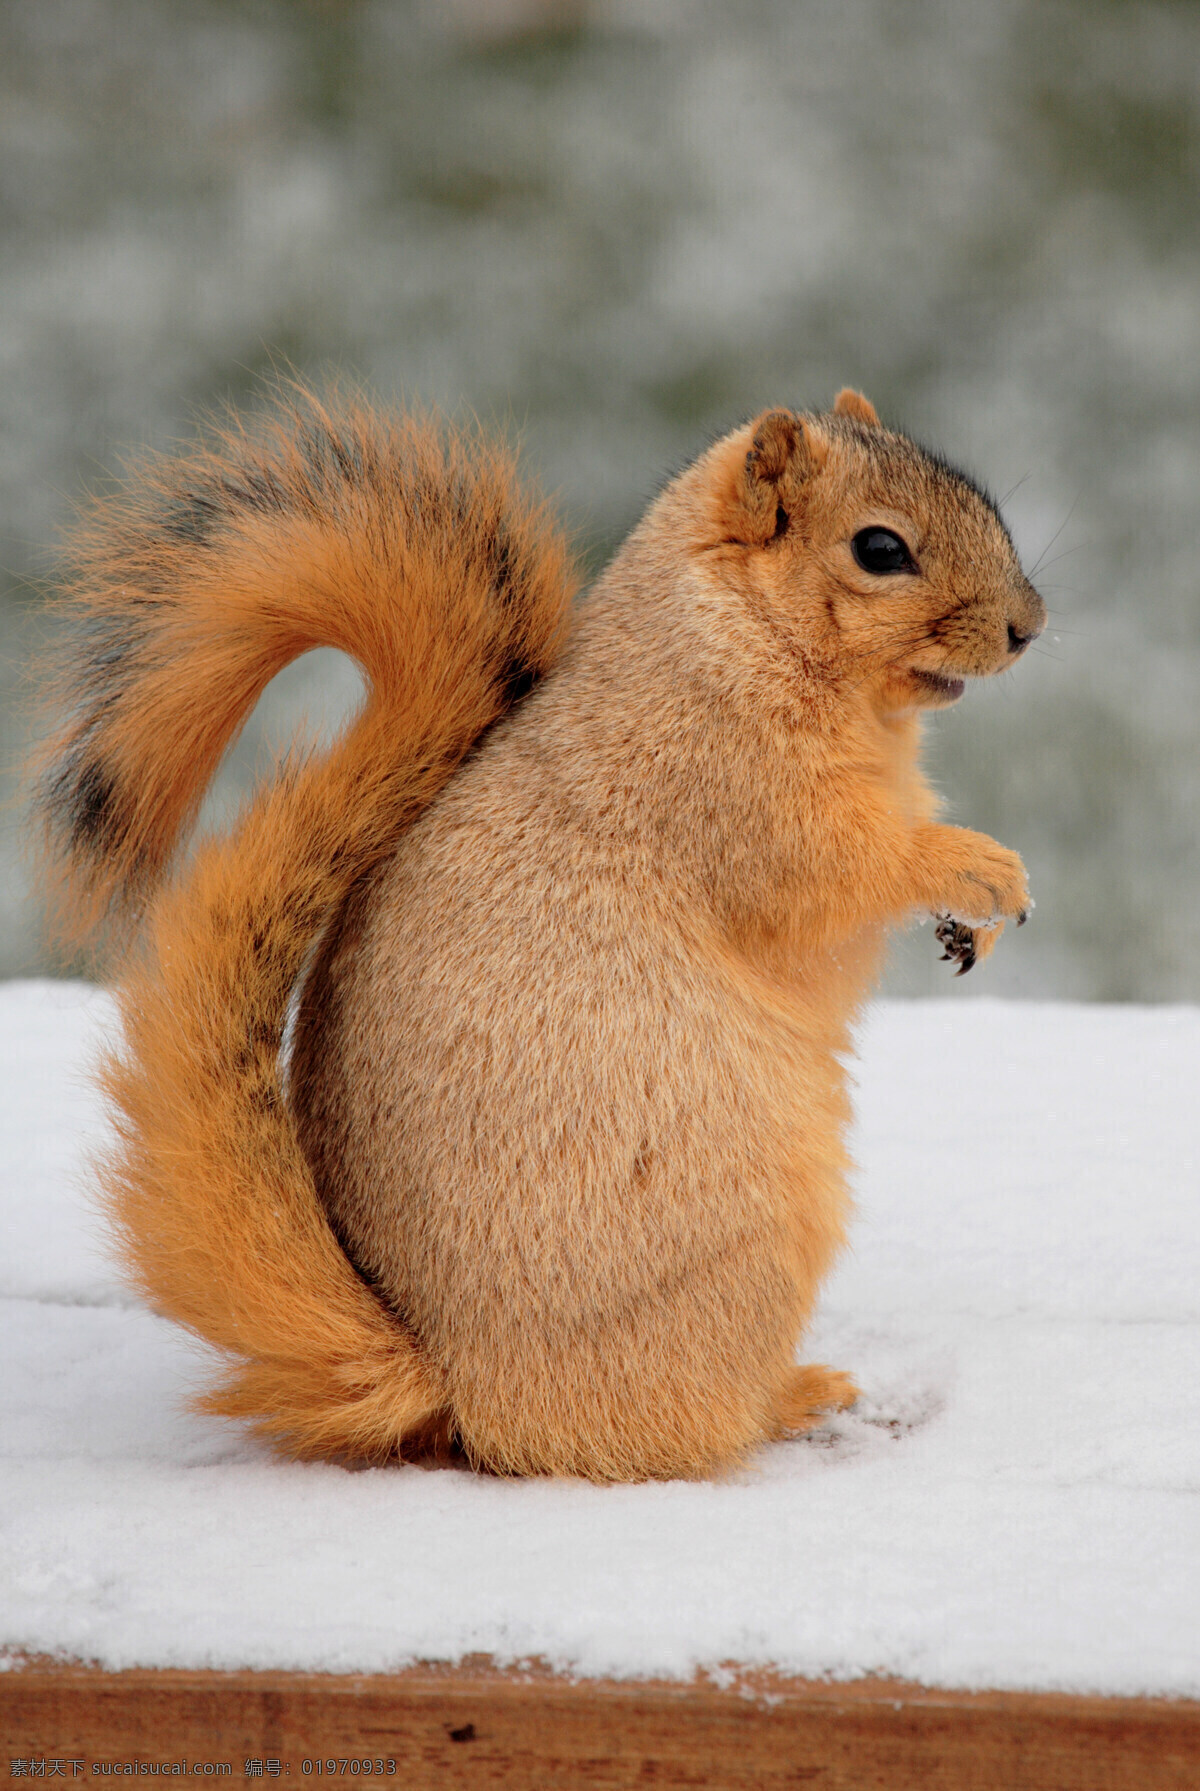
(1027, 618)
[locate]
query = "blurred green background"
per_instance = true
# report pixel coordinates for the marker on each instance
(614, 228)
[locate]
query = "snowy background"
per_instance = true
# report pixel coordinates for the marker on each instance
(615, 226)
(1015, 1502)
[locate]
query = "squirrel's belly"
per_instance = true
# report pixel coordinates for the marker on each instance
(561, 1145)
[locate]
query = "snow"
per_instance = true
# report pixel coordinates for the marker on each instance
(1013, 1504)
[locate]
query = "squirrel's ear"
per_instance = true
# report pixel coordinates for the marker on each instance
(784, 450)
(850, 403)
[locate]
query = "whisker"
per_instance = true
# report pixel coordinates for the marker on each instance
(918, 636)
(901, 653)
(873, 662)
(1054, 537)
(1012, 491)
(1059, 557)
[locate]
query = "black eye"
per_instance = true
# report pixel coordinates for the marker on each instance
(878, 550)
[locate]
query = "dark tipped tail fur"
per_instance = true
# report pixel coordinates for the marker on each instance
(323, 527)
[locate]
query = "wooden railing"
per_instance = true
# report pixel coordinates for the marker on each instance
(475, 1725)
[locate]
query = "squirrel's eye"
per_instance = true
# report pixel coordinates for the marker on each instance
(878, 550)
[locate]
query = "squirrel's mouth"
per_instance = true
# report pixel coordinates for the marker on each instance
(943, 689)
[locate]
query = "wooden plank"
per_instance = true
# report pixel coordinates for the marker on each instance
(476, 1726)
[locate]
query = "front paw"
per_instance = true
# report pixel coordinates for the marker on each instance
(966, 945)
(972, 885)
(959, 942)
(986, 882)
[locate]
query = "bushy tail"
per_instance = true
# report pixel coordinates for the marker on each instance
(416, 555)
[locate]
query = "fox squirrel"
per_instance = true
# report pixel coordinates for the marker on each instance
(484, 1090)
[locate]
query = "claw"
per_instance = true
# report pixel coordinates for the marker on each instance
(959, 941)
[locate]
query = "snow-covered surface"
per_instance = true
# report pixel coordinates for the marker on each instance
(1014, 1503)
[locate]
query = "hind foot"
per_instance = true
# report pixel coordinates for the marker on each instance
(434, 1444)
(806, 1396)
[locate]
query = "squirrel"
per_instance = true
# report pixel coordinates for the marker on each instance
(483, 1092)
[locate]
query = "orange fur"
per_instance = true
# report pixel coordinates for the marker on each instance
(567, 1085)
(417, 556)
